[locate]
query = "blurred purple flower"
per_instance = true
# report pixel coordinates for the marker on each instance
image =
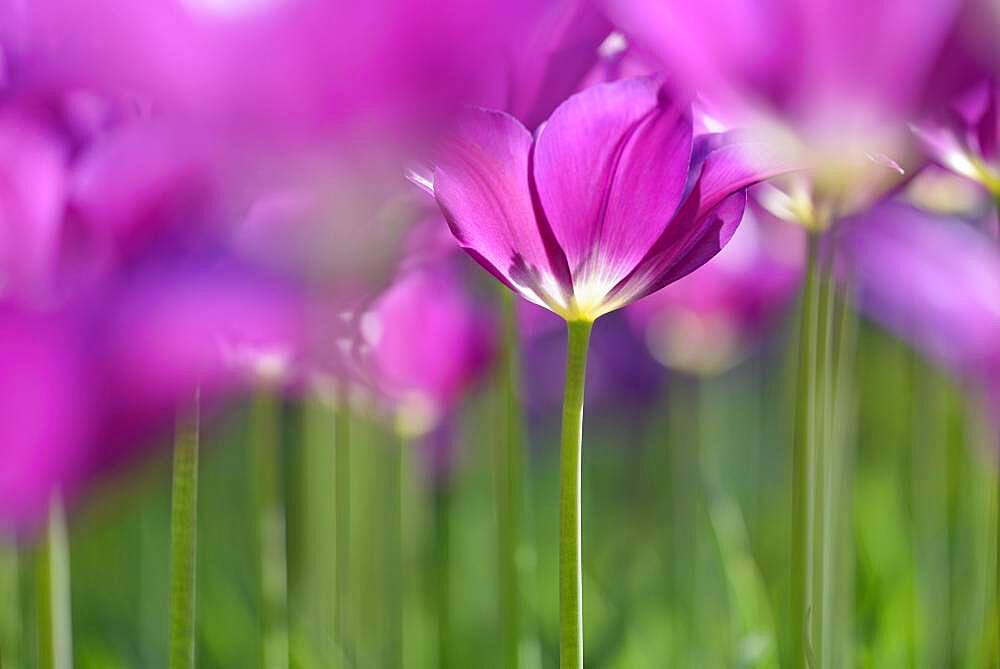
(797, 56)
(431, 343)
(932, 281)
(611, 200)
(290, 68)
(831, 84)
(120, 295)
(965, 137)
(558, 47)
(706, 322)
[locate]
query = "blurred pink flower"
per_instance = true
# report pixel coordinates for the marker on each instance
(120, 295)
(431, 344)
(558, 47)
(830, 84)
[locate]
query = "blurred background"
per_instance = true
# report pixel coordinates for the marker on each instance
(246, 366)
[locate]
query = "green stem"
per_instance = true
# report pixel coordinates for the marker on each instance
(270, 533)
(508, 472)
(570, 553)
(10, 606)
(442, 571)
(342, 521)
(55, 634)
(184, 541)
(392, 554)
(803, 454)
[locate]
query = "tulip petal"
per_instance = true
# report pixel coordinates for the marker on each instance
(482, 187)
(610, 167)
(708, 218)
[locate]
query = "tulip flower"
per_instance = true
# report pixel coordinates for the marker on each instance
(611, 200)
(431, 344)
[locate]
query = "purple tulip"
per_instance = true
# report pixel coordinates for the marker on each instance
(610, 201)
(431, 344)
(933, 281)
(706, 321)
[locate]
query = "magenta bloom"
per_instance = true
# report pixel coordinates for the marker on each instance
(431, 344)
(706, 321)
(611, 200)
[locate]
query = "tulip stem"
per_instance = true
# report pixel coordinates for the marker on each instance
(184, 541)
(508, 472)
(570, 530)
(392, 579)
(342, 521)
(996, 557)
(442, 570)
(55, 629)
(270, 533)
(803, 459)
(10, 606)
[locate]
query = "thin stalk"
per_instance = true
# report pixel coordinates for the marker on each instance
(184, 541)
(803, 455)
(392, 550)
(10, 606)
(342, 521)
(570, 527)
(442, 571)
(55, 628)
(270, 533)
(826, 475)
(508, 472)
(995, 231)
